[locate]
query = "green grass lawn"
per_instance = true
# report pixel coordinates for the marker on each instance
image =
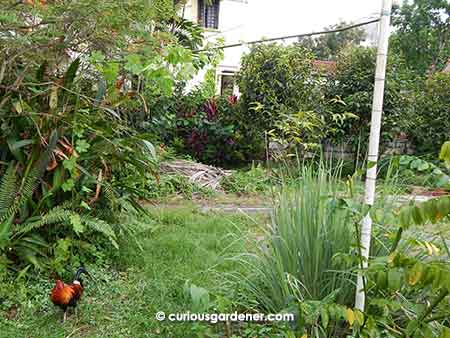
(122, 302)
(184, 246)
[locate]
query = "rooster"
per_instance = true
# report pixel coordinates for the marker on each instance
(67, 295)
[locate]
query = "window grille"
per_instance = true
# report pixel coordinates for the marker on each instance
(208, 15)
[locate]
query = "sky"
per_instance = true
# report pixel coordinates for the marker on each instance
(275, 18)
(284, 17)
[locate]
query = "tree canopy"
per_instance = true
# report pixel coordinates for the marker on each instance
(423, 33)
(326, 47)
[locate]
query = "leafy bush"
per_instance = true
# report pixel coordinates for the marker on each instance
(209, 129)
(421, 34)
(327, 46)
(302, 131)
(428, 122)
(350, 90)
(58, 176)
(74, 83)
(276, 80)
(415, 169)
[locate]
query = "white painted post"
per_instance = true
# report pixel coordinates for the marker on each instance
(375, 127)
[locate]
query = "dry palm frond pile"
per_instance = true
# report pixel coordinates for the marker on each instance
(201, 174)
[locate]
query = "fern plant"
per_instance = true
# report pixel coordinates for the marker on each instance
(24, 235)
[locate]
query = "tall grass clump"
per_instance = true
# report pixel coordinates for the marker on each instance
(303, 255)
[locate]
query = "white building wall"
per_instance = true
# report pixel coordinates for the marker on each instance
(234, 18)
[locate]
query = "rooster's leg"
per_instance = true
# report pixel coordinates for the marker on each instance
(65, 316)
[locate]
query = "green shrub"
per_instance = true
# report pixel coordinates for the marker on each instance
(350, 90)
(276, 80)
(67, 126)
(428, 123)
(209, 129)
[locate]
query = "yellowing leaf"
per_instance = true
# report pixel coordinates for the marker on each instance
(18, 107)
(445, 153)
(429, 248)
(415, 274)
(435, 249)
(304, 336)
(392, 257)
(350, 316)
(359, 316)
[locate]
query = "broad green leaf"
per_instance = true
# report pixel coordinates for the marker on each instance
(199, 297)
(111, 72)
(359, 317)
(82, 146)
(412, 326)
(97, 57)
(394, 279)
(324, 317)
(133, 63)
(417, 215)
(443, 181)
(68, 185)
(416, 163)
(58, 178)
(19, 144)
(405, 217)
(71, 73)
(70, 164)
(405, 160)
(423, 166)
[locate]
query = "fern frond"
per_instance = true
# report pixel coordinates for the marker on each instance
(102, 227)
(60, 215)
(57, 215)
(8, 188)
(110, 196)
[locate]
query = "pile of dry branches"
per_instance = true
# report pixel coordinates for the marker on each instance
(201, 174)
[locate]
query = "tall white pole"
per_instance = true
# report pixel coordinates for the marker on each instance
(375, 127)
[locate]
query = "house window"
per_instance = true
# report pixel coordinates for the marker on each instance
(227, 84)
(208, 14)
